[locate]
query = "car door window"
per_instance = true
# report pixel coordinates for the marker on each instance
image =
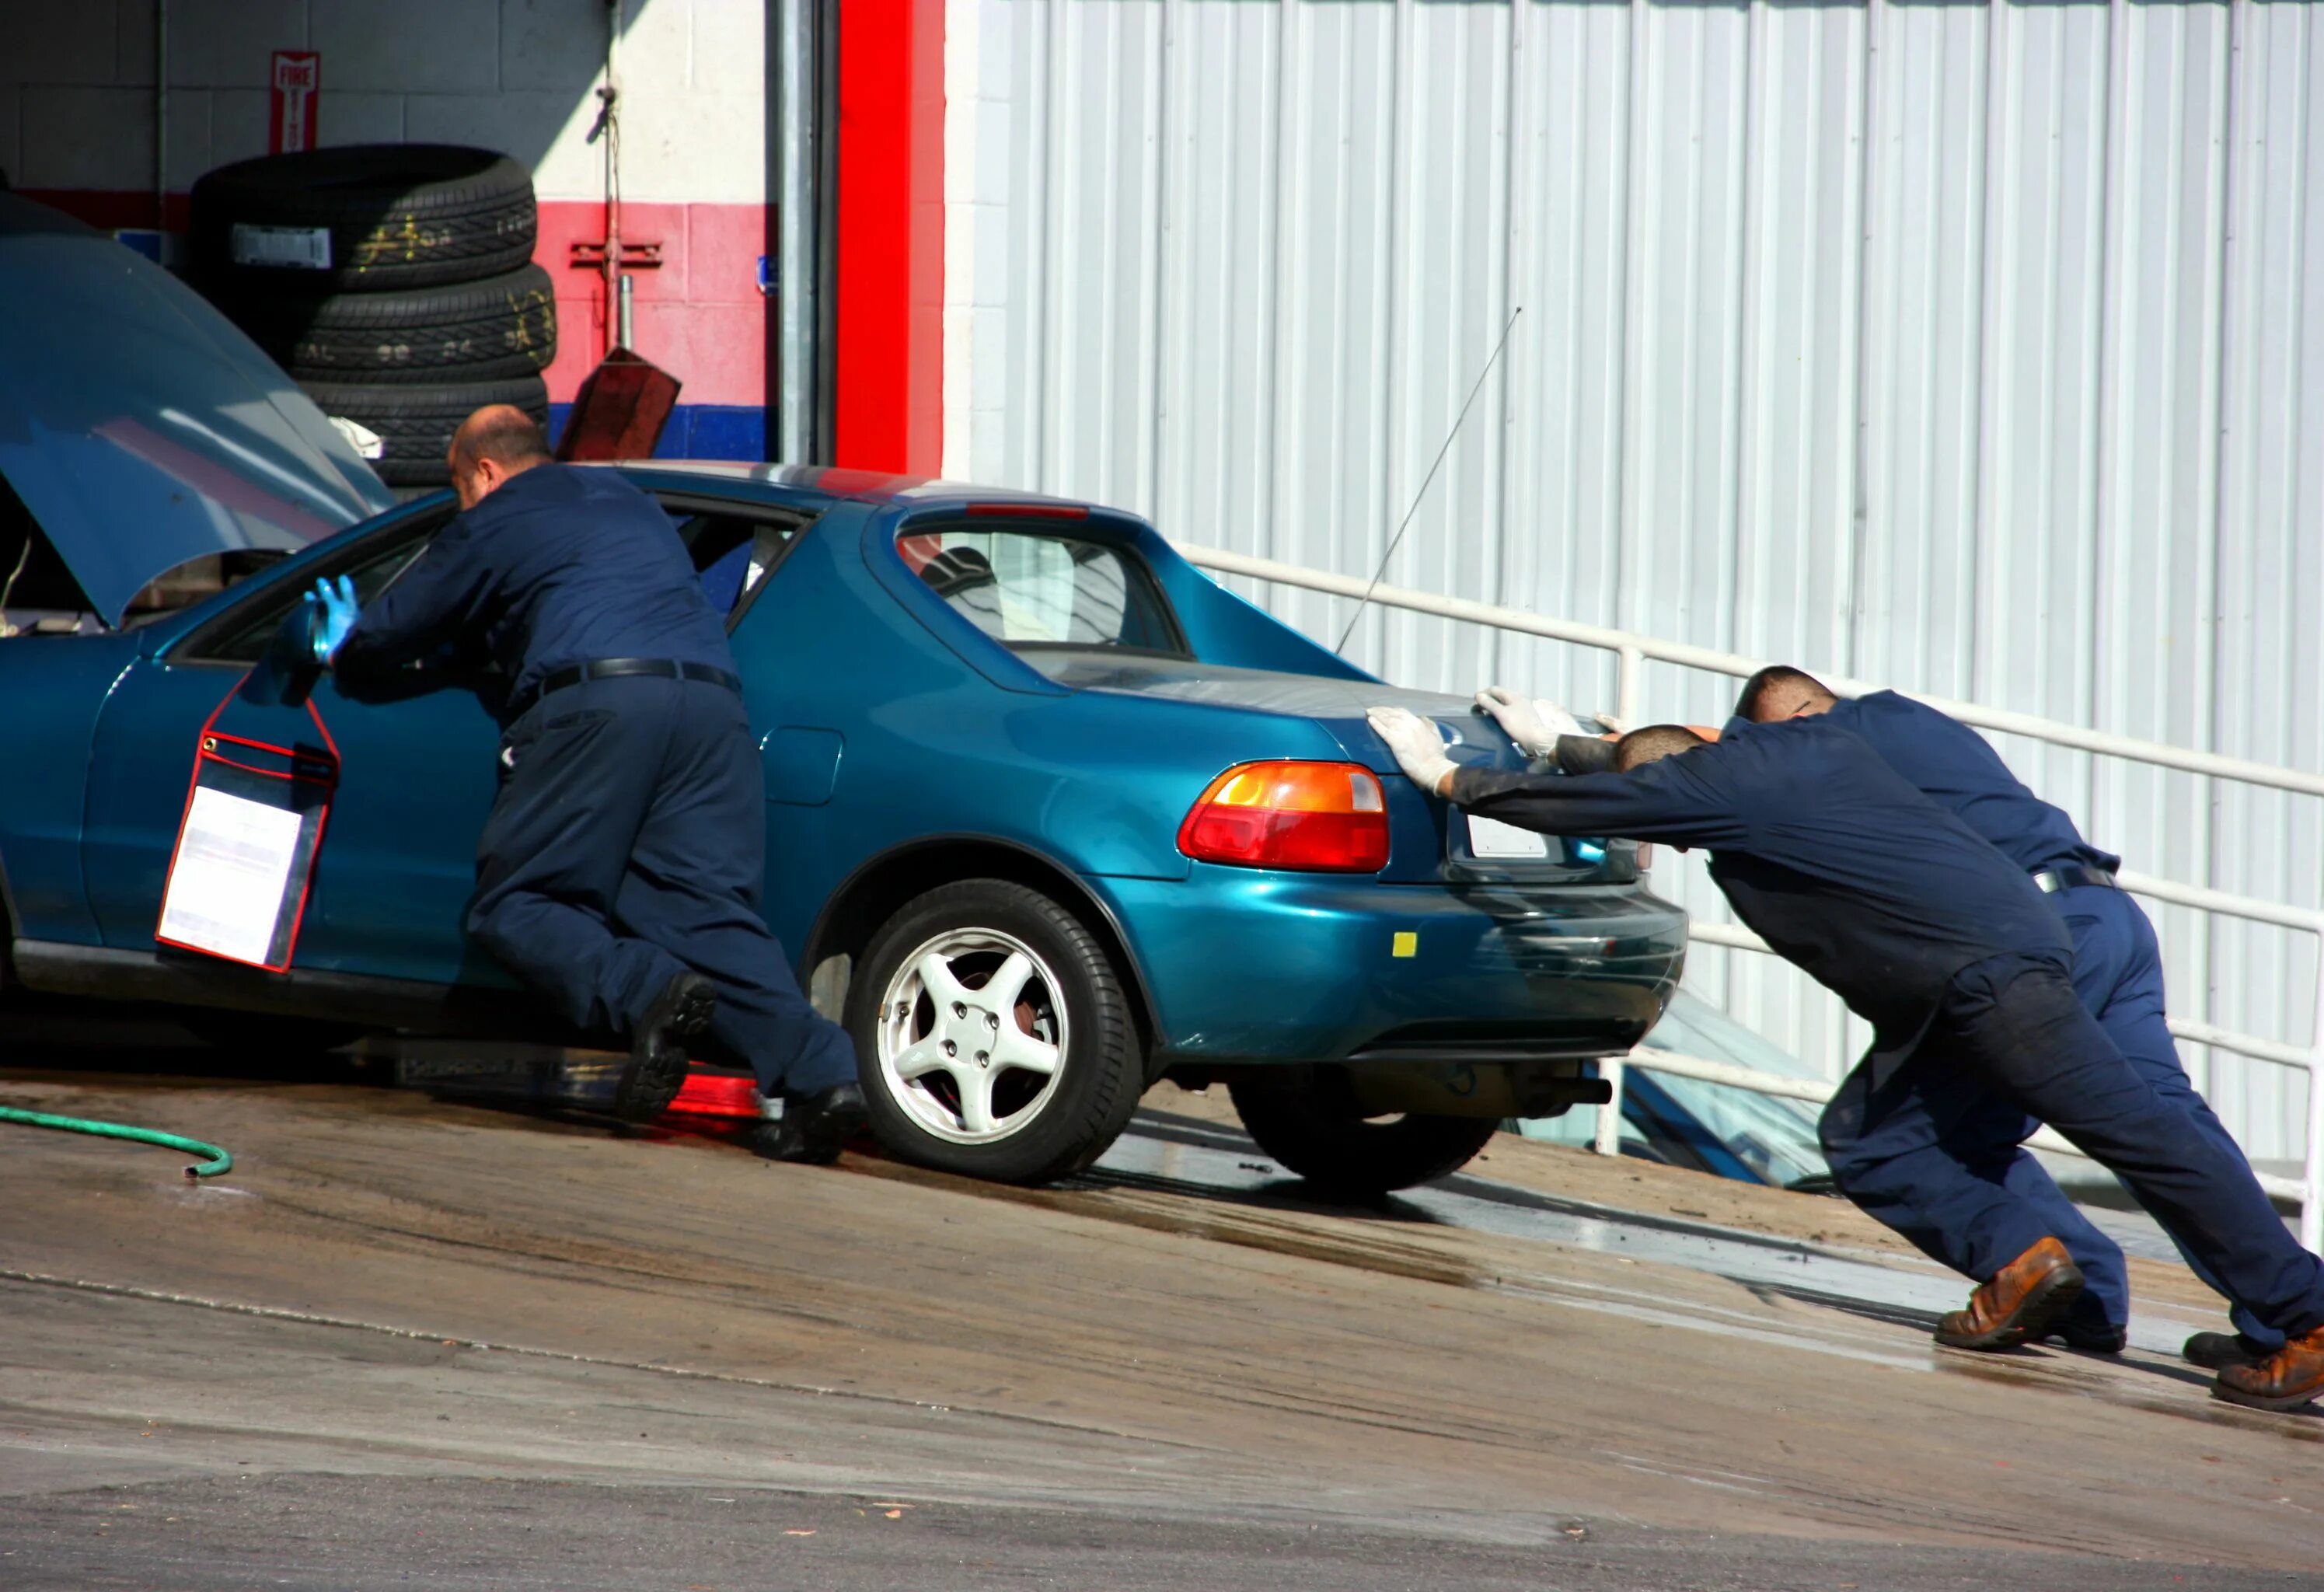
(734, 553)
(241, 635)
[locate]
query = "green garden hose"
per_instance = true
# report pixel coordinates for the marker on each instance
(218, 1161)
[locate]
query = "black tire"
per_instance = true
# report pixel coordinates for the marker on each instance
(499, 329)
(1065, 1124)
(415, 422)
(1310, 1124)
(399, 216)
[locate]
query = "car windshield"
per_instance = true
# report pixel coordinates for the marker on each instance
(1031, 591)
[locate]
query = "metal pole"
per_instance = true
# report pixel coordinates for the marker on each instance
(629, 325)
(616, 286)
(795, 220)
(162, 118)
(2311, 1199)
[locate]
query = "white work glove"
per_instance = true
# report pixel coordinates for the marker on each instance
(1417, 741)
(1534, 724)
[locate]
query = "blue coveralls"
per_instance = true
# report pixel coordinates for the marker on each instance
(1945, 946)
(627, 843)
(1936, 1160)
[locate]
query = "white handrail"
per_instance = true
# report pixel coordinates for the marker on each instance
(1633, 649)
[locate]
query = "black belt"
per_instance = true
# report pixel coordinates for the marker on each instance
(574, 674)
(2049, 881)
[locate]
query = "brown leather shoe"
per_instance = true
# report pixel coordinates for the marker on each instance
(2018, 1305)
(2285, 1380)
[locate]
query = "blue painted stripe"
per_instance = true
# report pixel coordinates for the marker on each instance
(698, 431)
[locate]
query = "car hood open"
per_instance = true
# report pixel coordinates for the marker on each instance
(140, 429)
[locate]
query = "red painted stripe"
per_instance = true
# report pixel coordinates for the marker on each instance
(889, 403)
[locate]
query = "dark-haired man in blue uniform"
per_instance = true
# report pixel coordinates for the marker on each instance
(1933, 1161)
(1955, 959)
(621, 870)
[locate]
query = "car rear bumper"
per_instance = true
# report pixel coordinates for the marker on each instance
(1251, 966)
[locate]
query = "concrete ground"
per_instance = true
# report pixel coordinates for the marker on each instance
(415, 1341)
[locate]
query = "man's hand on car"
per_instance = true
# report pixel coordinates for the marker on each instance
(1534, 724)
(1417, 744)
(333, 614)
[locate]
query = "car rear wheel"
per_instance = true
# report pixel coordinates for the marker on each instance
(1312, 1125)
(995, 1037)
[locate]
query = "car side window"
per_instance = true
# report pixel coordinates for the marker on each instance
(243, 633)
(735, 553)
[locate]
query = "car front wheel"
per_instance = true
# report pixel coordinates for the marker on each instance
(1309, 1122)
(995, 1037)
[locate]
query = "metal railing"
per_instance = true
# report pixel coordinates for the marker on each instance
(1635, 651)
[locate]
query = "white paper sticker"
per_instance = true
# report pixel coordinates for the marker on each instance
(226, 886)
(1490, 837)
(309, 248)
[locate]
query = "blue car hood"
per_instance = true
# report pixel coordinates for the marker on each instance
(140, 429)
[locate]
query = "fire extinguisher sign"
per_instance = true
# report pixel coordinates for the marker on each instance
(297, 85)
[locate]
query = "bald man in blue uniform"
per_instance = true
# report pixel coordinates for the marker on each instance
(1932, 1161)
(1955, 956)
(621, 870)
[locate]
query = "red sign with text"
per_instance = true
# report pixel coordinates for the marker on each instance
(297, 85)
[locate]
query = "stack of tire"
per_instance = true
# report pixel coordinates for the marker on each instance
(393, 281)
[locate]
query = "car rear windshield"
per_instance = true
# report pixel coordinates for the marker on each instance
(1032, 591)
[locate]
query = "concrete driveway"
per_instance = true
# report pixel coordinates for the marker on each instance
(414, 1341)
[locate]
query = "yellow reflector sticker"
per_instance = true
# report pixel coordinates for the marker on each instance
(1407, 944)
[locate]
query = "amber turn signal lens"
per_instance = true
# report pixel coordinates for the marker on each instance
(1307, 816)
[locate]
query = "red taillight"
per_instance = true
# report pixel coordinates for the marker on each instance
(1316, 817)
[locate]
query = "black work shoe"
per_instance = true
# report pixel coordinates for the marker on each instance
(2090, 1338)
(2216, 1351)
(2019, 1304)
(814, 1128)
(657, 1068)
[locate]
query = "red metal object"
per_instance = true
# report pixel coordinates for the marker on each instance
(711, 1094)
(298, 87)
(637, 254)
(889, 403)
(619, 413)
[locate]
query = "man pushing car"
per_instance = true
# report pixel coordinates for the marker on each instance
(621, 870)
(1955, 957)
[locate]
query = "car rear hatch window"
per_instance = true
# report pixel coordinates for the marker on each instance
(1044, 596)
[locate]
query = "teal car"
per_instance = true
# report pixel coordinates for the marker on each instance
(1050, 814)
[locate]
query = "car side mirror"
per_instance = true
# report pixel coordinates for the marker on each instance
(286, 672)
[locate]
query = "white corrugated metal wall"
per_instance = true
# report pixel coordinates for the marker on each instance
(1979, 348)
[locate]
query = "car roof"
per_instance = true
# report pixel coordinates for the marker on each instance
(850, 486)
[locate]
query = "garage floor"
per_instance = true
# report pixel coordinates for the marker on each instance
(422, 1342)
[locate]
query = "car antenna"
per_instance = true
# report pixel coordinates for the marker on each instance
(1396, 540)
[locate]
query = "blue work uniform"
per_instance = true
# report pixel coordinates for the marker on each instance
(1935, 1160)
(1946, 947)
(627, 842)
